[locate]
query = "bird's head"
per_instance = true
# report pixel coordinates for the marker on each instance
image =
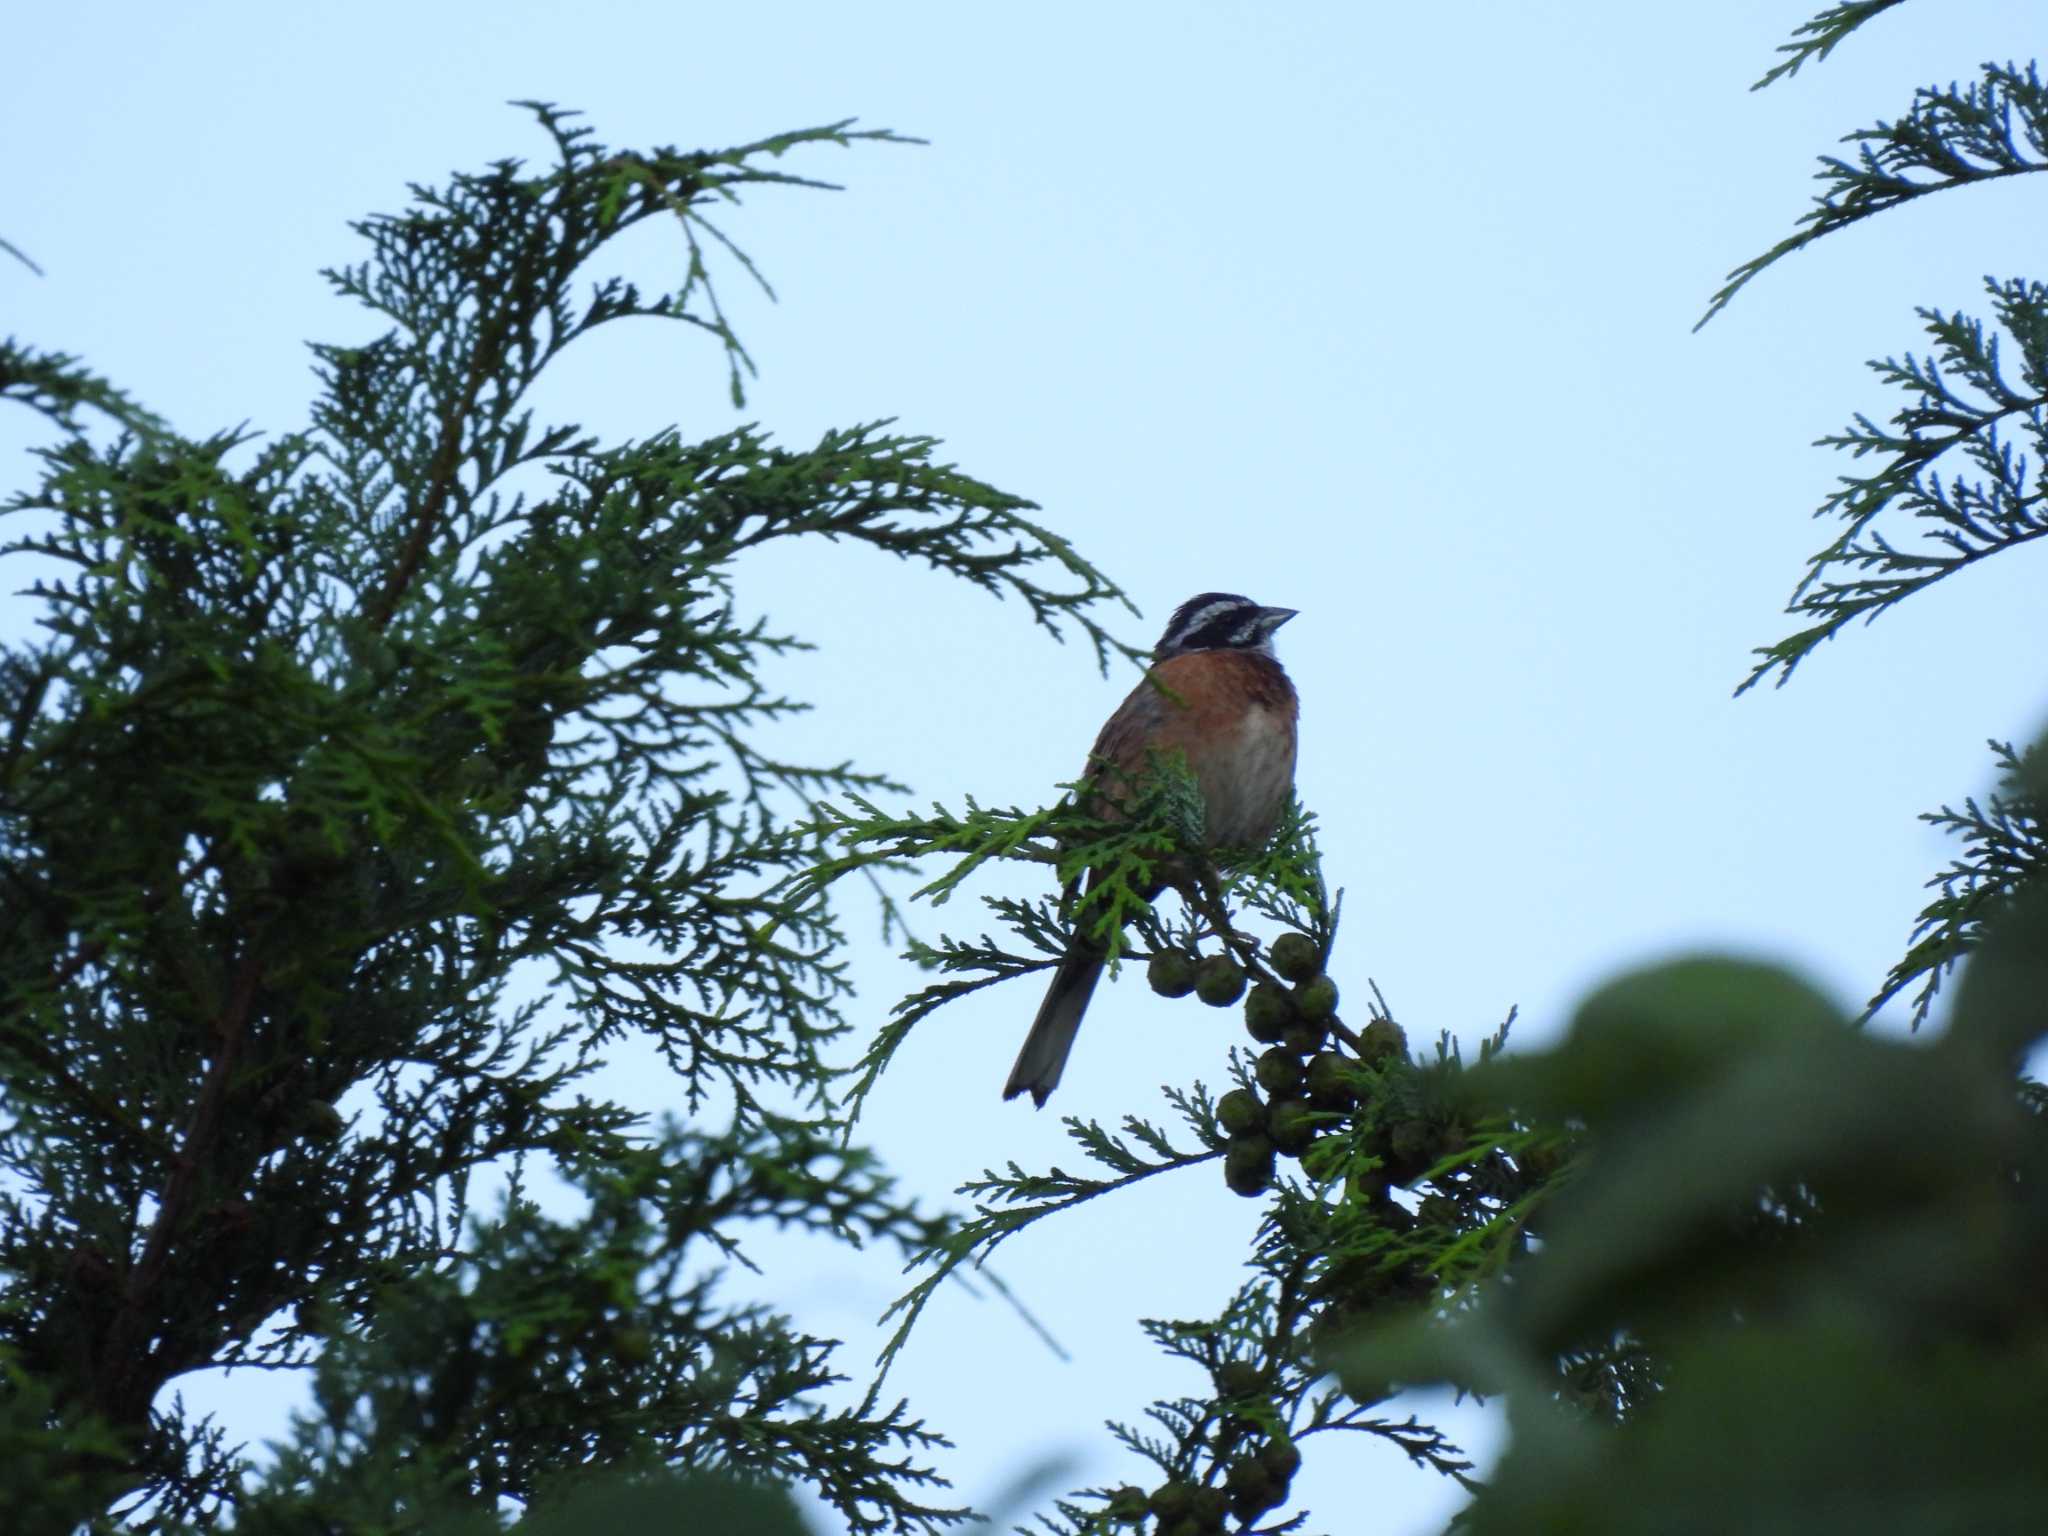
(1220, 621)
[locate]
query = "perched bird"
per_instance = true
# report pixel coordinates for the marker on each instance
(1216, 693)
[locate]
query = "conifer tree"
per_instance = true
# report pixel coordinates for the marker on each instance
(362, 787)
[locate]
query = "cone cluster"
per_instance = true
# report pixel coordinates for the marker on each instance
(1300, 1080)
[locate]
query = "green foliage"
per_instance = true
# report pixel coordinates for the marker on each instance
(1952, 137)
(554, 1346)
(1957, 474)
(1391, 1200)
(694, 1503)
(1826, 1242)
(1816, 39)
(1121, 859)
(2005, 850)
(49, 1453)
(644, 1501)
(60, 388)
(1947, 470)
(367, 787)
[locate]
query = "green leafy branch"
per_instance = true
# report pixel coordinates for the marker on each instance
(551, 1349)
(1399, 1204)
(1814, 40)
(2005, 850)
(1399, 1211)
(1960, 402)
(1108, 870)
(1991, 129)
(521, 241)
(58, 386)
(1007, 1202)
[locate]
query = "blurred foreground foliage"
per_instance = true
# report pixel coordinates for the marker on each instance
(1826, 1246)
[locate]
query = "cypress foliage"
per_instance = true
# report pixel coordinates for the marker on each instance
(365, 786)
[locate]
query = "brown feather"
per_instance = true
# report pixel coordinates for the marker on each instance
(1233, 714)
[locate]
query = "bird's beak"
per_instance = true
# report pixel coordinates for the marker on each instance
(1275, 617)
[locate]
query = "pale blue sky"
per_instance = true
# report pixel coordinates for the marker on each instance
(1379, 312)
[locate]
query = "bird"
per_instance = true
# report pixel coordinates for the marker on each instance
(1216, 693)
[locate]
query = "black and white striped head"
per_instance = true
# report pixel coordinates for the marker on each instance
(1221, 621)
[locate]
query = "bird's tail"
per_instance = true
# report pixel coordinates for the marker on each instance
(1044, 1055)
